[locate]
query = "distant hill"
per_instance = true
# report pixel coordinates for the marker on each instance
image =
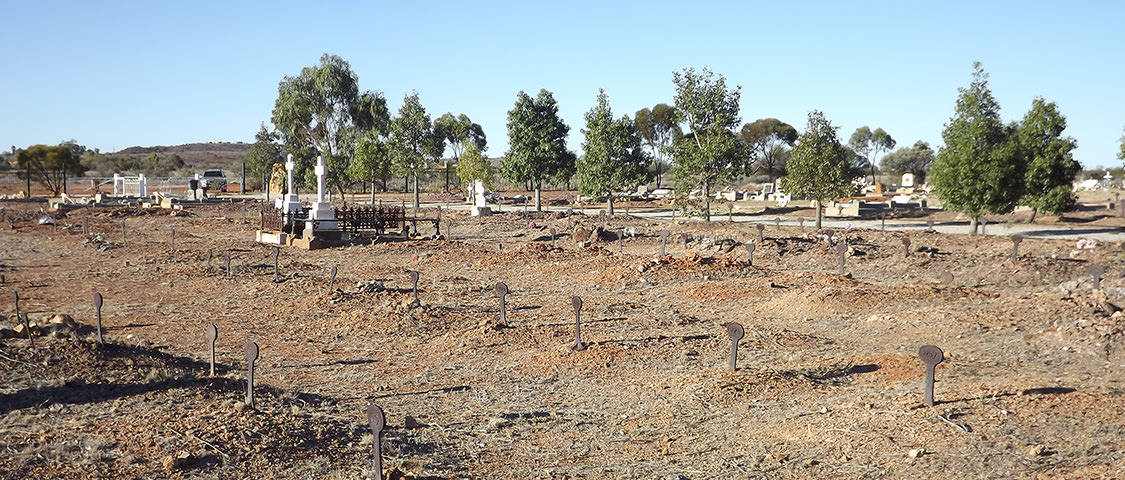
(197, 155)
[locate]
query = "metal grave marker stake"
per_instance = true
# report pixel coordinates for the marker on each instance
(735, 332)
(332, 279)
(17, 303)
(906, 247)
(554, 233)
(883, 224)
(212, 334)
(98, 314)
(209, 253)
(777, 222)
(946, 277)
(229, 273)
(685, 237)
(602, 214)
(984, 226)
(123, 231)
(449, 230)
(576, 302)
(930, 224)
(1016, 239)
(932, 355)
(414, 287)
(842, 249)
(276, 268)
(621, 241)
(251, 357)
(801, 222)
(663, 241)
(750, 254)
(730, 212)
(27, 328)
(761, 228)
(1096, 271)
(502, 292)
(377, 420)
(85, 225)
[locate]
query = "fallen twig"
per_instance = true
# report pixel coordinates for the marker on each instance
(963, 427)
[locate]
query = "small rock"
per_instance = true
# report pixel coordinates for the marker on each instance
(410, 422)
(916, 452)
(1037, 451)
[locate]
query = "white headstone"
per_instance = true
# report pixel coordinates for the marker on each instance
(908, 180)
(292, 202)
(480, 205)
(321, 211)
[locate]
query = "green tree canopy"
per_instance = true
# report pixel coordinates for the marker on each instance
(263, 154)
(613, 158)
(49, 165)
(978, 170)
(710, 152)
(455, 132)
(372, 162)
(1050, 165)
(659, 131)
(819, 166)
(413, 143)
(321, 111)
(769, 141)
(1121, 153)
(870, 144)
(473, 166)
(536, 143)
(915, 159)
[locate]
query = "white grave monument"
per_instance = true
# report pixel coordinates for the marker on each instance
(289, 202)
(320, 211)
(907, 180)
(480, 206)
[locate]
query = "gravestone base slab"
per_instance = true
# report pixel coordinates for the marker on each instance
(481, 211)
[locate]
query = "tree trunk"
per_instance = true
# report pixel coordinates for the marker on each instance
(538, 198)
(373, 192)
(973, 226)
(819, 215)
(447, 176)
(416, 202)
(707, 201)
(609, 204)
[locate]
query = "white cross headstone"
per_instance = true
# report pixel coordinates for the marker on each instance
(291, 202)
(321, 211)
(480, 205)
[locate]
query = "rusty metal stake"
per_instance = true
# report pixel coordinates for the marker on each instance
(85, 225)
(932, 355)
(554, 233)
(229, 273)
(98, 314)
(377, 420)
(842, 249)
(984, 226)
(777, 222)
(212, 334)
(502, 292)
(251, 357)
(761, 236)
(1016, 239)
(750, 254)
(801, 222)
(123, 231)
(173, 240)
(906, 247)
(332, 279)
(576, 302)
(414, 282)
(735, 332)
(209, 253)
(1096, 271)
(276, 268)
(663, 241)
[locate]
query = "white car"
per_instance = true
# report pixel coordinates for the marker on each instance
(214, 179)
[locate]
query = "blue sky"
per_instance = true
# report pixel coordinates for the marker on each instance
(115, 74)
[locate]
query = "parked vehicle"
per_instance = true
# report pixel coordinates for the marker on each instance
(214, 179)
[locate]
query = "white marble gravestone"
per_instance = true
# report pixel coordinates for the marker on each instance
(480, 205)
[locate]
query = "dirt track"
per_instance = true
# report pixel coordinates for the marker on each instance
(829, 382)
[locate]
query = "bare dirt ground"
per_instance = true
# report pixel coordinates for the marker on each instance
(829, 383)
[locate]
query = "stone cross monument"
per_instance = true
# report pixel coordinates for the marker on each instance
(289, 202)
(321, 211)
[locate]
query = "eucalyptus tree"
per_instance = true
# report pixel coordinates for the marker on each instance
(536, 144)
(870, 144)
(49, 166)
(319, 112)
(710, 152)
(412, 139)
(613, 158)
(455, 132)
(263, 154)
(915, 159)
(1051, 166)
(819, 166)
(473, 166)
(979, 169)
(769, 141)
(659, 131)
